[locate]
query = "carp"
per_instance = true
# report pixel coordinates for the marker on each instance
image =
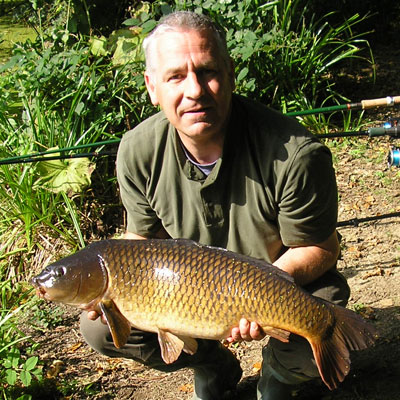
(183, 290)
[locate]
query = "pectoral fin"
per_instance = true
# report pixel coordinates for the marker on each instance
(119, 326)
(172, 345)
(277, 333)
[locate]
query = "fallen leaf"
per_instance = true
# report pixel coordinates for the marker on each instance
(54, 369)
(188, 388)
(367, 313)
(370, 199)
(257, 367)
(376, 272)
(74, 347)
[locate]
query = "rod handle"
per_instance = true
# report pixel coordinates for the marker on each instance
(384, 101)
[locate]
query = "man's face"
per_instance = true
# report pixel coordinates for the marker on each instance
(191, 82)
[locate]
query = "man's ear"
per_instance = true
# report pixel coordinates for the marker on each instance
(151, 88)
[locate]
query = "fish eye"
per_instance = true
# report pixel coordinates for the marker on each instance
(59, 271)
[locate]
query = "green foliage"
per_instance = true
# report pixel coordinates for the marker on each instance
(58, 93)
(43, 316)
(17, 368)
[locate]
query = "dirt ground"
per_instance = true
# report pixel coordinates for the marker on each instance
(370, 261)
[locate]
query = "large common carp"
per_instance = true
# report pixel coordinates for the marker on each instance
(183, 290)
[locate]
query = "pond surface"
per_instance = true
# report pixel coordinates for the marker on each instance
(12, 33)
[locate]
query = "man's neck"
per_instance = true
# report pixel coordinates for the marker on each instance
(203, 151)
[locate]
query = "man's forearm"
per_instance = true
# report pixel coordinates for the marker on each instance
(305, 264)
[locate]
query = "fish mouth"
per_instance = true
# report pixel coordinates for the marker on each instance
(41, 292)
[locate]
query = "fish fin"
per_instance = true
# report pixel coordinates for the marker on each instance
(190, 345)
(119, 326)
(277, 333)
(332, 352)
(171, 345)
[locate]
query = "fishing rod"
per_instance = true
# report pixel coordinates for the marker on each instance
(60, 157)
(390, 128)
(362, 105)
(34, 156)
(393, 131)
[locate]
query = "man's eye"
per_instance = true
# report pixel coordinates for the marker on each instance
(175, 77)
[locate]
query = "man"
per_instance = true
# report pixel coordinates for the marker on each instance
(225, 171)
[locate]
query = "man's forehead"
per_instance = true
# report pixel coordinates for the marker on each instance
(175, 48)
(180, 40)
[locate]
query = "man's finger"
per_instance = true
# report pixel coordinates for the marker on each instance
(256, 332)
(244, 327)
(92, 315)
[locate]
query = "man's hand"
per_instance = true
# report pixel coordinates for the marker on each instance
(93, 315)
(247, 331)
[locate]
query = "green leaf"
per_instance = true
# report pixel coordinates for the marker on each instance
(25, 397)
(30, 363)
(242, 74)
(11, 377)
(149, 25)
(80, 106)
(70, 176)
(98, 46)
(131, 22)
(13, 358)
(26, 378)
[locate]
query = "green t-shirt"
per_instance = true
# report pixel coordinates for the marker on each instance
(273, 187)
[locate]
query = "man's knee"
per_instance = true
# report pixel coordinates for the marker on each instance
(96, 334)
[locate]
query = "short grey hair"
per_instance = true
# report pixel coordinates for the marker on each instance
(184, 20)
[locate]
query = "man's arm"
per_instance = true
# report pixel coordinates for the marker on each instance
(304, 264)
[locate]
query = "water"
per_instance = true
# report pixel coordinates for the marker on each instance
(11, 33)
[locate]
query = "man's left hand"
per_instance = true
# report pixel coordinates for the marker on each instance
(247, 331)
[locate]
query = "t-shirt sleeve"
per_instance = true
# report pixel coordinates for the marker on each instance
(308, 197)
(132, 178)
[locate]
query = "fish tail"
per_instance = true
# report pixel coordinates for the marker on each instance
(332, 352)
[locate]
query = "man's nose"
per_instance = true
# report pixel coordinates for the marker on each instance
(193, 86)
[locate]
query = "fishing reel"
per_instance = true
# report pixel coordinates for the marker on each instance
(393, 157)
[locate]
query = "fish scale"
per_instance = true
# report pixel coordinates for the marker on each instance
(185, 269)
(183, 290)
